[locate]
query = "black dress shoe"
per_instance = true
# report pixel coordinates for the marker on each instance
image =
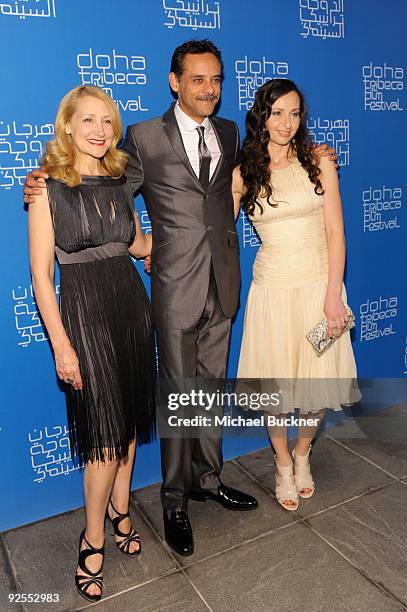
(178, 532)
(229, 498)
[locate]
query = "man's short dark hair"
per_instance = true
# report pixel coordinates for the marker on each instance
(195, 47)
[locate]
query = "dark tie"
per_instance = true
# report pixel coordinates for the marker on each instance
(204, 158)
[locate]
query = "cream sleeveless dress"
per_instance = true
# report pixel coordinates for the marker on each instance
(286, 299)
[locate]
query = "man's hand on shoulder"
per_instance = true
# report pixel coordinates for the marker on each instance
(324, 150)
(33, 186)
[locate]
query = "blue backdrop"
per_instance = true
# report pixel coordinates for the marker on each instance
(348, 57)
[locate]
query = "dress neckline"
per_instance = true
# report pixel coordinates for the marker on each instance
(101, 179)
(292, 164)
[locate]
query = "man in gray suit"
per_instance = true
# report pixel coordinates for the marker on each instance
(182, 164)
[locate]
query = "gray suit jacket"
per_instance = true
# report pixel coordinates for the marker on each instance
(191, 226)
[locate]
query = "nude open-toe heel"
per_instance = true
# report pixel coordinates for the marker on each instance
(285, 486)
(302, 474)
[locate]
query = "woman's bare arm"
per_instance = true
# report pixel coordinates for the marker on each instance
(237, 190)
(334, 308)
(42, 259)
(141, 245)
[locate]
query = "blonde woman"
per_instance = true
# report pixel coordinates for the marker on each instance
(101, 334)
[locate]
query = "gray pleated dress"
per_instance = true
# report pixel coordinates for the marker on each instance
(107, 316)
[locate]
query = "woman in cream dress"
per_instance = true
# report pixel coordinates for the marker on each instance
(291, 194)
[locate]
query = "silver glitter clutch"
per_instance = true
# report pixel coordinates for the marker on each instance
(318, 335)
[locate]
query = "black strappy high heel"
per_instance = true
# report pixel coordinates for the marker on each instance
(128, 538)
(83, 582)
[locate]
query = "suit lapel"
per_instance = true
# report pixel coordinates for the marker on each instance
(219, 137)
(174, 136)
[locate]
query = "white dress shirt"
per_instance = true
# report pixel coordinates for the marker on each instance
(190, 138)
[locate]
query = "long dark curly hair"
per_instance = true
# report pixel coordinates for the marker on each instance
(255, 158)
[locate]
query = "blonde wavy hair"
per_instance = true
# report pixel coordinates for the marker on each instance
(59, 159)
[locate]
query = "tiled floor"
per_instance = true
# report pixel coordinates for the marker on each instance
(345, 548)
